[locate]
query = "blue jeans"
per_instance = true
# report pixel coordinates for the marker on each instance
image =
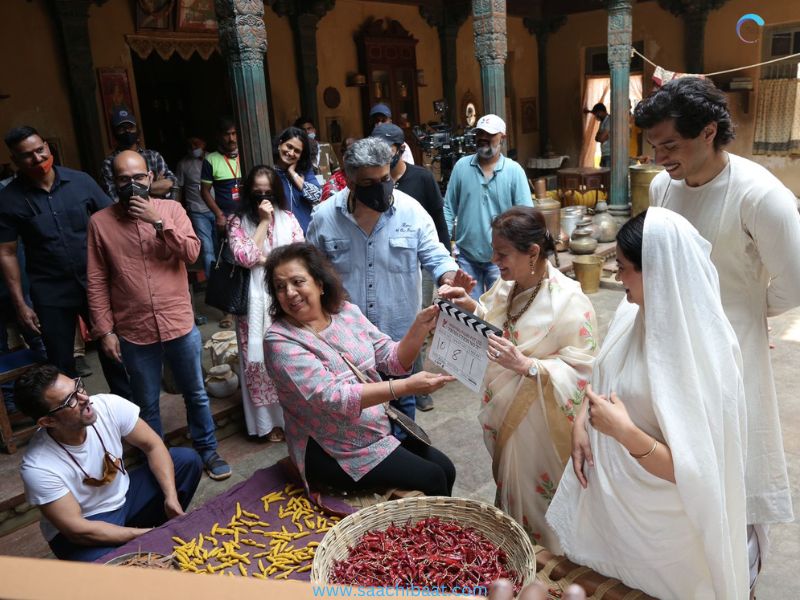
(144, 504)
(484, 273)
(205, 226)
(144, 364)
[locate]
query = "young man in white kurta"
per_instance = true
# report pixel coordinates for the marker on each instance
(751, 220)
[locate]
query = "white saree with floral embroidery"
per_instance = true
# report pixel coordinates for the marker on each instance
(527, 421)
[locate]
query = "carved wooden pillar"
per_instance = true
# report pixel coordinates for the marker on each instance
(620, 17)
(542, 27)
(304, 16)
(243, 40)
(491, 49)
(448, 20)
(695, 16)
(72, 21)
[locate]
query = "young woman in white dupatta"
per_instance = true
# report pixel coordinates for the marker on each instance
(262, 224)
(654, 494)
(538, 370)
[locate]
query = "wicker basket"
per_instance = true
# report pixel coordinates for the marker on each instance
(490, 522)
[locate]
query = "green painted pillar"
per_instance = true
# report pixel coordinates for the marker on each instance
(491, 49)
(620, 20)
(243, 39)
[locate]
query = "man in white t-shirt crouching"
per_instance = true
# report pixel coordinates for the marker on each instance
(73, 470)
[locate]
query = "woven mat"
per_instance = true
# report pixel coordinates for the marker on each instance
(220, 510)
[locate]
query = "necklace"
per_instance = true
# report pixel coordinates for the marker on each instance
(511, 320)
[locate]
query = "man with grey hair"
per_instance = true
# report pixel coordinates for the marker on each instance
(375, 236)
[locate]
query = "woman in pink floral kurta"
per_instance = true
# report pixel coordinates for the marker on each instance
(336, 426)
(263, 223)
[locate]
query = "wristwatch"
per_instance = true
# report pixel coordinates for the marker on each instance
(533, 372)
(159, 226)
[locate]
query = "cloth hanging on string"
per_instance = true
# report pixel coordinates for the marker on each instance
(778, 118)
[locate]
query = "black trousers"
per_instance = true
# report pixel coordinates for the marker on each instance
(411, 466)
(57, 324)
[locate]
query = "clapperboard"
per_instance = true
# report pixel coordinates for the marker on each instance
(460, 342)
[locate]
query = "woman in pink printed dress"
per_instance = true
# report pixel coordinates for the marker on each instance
(336, 427)
(262, 224)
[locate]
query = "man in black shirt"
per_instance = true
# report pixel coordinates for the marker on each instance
(48, 207)
(417, 182)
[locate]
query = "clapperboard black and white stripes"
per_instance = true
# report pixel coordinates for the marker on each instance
(467, 318)
(460, 343)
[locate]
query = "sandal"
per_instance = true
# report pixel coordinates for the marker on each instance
(276, 435)
(226, 322)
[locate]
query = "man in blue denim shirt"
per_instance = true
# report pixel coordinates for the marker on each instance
(481, 187)
(376, 237)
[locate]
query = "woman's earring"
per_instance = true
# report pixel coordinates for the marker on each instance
(533, 266)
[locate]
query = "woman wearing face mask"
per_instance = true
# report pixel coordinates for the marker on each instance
(262, 224)
(538, 370)
(293, 165)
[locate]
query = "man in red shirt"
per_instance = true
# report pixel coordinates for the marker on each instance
(139, 300)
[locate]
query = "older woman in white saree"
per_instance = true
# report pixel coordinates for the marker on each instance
(654, 494)
(538, 370)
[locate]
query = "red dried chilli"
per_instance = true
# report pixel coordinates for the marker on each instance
(431, 553)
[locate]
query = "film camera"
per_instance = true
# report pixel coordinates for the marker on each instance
(444, 142)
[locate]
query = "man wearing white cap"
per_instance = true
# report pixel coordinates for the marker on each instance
(481, 187)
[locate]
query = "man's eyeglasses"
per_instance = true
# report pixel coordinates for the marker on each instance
(72, 400)
(125, 180)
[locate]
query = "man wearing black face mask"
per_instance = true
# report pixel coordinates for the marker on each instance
(126, 132)
(377, 236)
(139, 300)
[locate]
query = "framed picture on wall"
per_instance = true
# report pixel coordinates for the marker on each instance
(197, 15)
(115, 92)
(530, 118)
(154, 14)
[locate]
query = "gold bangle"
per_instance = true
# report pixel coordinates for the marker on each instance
(646, 454)
(391, 390)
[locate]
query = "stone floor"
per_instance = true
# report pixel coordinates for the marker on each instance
(454, 427)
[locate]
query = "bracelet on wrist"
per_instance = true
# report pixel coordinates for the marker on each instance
(646, 454)
(391, 390)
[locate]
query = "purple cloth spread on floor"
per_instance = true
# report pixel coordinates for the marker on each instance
(221, 509)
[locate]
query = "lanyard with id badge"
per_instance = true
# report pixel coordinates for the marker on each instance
(236, 176)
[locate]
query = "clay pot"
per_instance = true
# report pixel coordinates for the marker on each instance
(221, 381)
(224, 349)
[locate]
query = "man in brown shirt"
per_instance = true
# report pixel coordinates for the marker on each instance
(139, 300)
